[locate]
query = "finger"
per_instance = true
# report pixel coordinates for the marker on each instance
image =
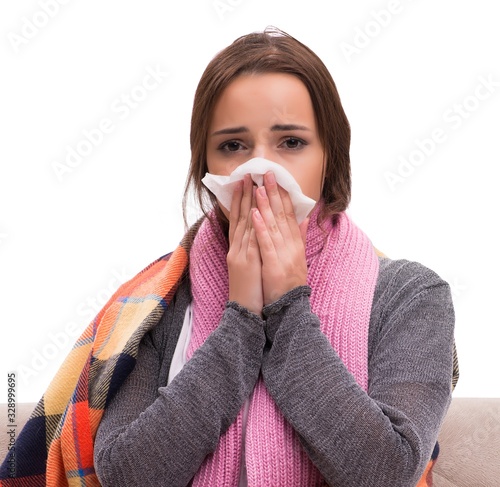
(282, 206)
(289, 213)
(249, 249)
(264, 240)
(254, 200)
(234, 213)
(253, 245)
(275, 201)
(242, 214)
(274, 213)
(249, 242)
(246, 201)
(267, 216)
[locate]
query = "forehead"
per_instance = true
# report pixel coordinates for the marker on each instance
(263, 99)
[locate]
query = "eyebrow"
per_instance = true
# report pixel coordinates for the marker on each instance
(274, 128)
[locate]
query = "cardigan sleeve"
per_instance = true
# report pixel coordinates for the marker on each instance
(153, 435)
(384, 436)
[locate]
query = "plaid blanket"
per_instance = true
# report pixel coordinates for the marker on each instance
(55, 448)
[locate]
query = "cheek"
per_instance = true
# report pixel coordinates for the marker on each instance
(312, 187)
(309, 178)
(221, 167)
(212, 167)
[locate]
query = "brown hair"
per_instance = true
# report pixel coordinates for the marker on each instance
(273, 51)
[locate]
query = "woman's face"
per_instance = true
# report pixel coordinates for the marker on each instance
(267, 115)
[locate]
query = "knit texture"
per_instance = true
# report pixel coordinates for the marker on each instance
(342, 272)
(55, 447)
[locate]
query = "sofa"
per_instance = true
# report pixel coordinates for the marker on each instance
(469, 442)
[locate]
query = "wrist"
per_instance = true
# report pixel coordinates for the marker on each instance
(289, 313)
(254, 314)
(286, 300)
(253, 305)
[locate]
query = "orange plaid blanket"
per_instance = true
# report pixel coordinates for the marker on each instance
(55, 448)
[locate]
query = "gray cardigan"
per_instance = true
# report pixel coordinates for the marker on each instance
(157, 435)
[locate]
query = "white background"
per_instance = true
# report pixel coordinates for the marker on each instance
(66, 242)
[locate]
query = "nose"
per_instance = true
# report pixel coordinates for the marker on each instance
(262, 153)
(262, 147)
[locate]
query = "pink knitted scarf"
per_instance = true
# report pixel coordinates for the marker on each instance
(342, 272)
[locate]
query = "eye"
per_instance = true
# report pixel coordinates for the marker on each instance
(294, 143)
(230, 146)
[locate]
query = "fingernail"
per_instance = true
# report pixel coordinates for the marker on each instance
(257, 214)
(270, 177)
(262, 191)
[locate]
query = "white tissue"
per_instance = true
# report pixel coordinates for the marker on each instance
(222, 186)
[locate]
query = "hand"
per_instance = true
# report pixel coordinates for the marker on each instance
(281, 240)
(243, 259)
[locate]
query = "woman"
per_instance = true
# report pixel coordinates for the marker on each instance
(291, 355)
